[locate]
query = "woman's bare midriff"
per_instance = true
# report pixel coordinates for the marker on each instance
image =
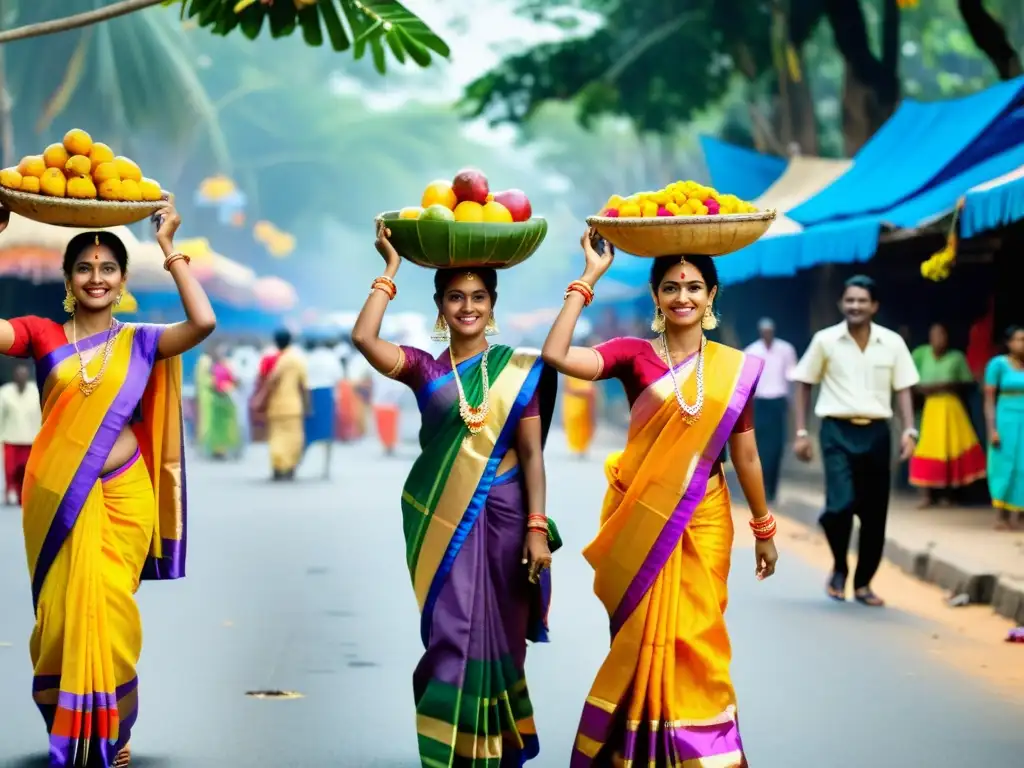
(124, 449)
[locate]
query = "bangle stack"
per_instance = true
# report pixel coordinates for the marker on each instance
(537, 524)
(583, 288)
(763, 527)
(176, 256)
(385, 284)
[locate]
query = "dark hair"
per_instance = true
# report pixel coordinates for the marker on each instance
(444, 277)
(85, 240)
(1013, 330)
(861, 281)
(282, 338)
(704, 264)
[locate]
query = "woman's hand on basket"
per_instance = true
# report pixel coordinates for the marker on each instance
(597, 263)
(386, 249)
(765, 557)
(168, 220)
(536, 554)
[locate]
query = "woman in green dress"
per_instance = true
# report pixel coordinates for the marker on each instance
(948, 455)
(1004, 414)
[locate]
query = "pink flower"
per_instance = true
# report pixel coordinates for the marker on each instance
(611, 213)
(663, 211)
(712, 206)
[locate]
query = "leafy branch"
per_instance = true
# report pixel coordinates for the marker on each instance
(76, 21)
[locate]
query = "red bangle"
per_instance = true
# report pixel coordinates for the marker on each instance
(582, 290)
(385, 284)
(763, 527)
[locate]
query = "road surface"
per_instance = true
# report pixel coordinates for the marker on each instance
(303, 588)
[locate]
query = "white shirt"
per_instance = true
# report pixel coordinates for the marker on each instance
(779, 362)
(21, 415)
(323, 369)
(245, 363)
(856, 383)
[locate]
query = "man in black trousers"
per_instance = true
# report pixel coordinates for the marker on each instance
(858, 366)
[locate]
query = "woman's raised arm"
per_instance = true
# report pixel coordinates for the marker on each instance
(382, 355)
(558, 352)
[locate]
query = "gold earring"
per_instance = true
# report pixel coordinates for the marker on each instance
(69, 301)
(441, 331)
(658, 324)
(709, 322)
(491, 329)
(117, 301)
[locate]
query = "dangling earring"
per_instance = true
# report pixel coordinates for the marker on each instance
(69, 301)
(441, 332)
(117, 301)
(658, 324)
(709, 322)
(491, 329)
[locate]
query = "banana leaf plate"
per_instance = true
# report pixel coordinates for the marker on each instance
(453, 244)
(71, 212)
(681, 235)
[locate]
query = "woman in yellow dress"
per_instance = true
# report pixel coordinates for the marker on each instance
(664, 695)
(288, 402)
(104, 503)
(579, 414)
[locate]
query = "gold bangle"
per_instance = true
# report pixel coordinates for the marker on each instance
(176, 256)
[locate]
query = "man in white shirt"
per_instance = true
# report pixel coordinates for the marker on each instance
(771, 401)
(324, 371)
(21, 417)
(858, 366)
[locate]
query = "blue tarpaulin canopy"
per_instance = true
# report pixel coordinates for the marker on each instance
(994, 204)
(740, 171)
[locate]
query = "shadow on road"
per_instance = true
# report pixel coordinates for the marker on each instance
(43, 761)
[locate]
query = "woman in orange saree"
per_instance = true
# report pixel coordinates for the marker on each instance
(104, 490)
(664, 696)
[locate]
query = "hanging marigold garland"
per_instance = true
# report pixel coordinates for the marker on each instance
(940, 264)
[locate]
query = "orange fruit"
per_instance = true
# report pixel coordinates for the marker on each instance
(11, 178)
(55, 156)
(78, 165)
(439, 193)
(81, 188)
(32, 165)
(127, 169)
(497, 213)
(30, 184)
(130, 191)
(110, 189)
(410, 212)
(101, 153)
(53, 182)
(469, 211)
(151, 191)
(77, 142)
(104, 171)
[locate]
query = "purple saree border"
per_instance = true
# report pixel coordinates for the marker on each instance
(62, 747)
(750, 372)
(46, 364)
(143, 352)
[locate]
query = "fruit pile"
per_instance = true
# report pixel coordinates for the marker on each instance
(468, 198)
(82, 169)
(680, 198)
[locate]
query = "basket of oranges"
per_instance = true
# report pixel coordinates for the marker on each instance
(682, 218)
(462, 224)
(79, 183)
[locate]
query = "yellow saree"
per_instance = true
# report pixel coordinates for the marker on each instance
(89, 539)
(664, 695)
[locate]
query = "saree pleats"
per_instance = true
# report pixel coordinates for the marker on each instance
(664, 695)
(90, 540)
(464, 529)
(286, 439)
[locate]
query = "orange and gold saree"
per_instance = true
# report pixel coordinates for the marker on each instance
(664, 696)
(89, 538)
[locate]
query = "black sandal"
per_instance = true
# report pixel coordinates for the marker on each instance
(865, 596)
(836, 586)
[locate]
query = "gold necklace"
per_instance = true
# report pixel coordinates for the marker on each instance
(473, 416)
(88, 385)
(690, 412)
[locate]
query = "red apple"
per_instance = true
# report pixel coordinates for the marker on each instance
(470, 184)
(517, 203)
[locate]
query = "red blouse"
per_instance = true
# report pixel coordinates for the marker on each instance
(36, 337)
(634, 362)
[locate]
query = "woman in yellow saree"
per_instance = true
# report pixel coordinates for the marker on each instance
(664, 696)
(104, 499)
(579, 414)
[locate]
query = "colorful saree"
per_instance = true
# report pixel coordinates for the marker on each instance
(464, 518)
(1006, 460)
(579, 414)
(90, 539)
(223, 436)
(664, 695)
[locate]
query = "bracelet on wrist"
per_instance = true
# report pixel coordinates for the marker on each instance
(176, 256)
(764, 527)
(386, 285)
(583, 288)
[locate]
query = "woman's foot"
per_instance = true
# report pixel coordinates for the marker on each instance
(836, 586)
(865, 596)
(123, 759)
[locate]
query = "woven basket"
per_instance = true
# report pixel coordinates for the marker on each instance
(681, 235)
(68, 212)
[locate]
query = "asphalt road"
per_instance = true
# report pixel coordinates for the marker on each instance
(303, 588)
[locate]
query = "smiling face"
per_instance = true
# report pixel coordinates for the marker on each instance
(857, 305)
(683, 296)
(96, 278)
(466, 306)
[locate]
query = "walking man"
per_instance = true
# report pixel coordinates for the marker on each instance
(21, 417)
(858, 366)
(771, 402)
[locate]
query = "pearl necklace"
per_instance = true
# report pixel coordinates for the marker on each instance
(88, 385)
(474, 417)
(690, 412)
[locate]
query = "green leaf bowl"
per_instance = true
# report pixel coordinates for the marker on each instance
(453, 244)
